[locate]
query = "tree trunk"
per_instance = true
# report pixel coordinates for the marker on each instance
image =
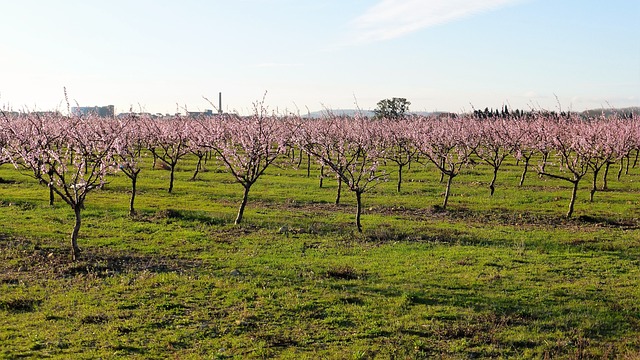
(621, 168)
(75, 250)
(399, 176)
(573, 198)
(441, 173)
(358, 210)
(626, 171)
(635, 161)
(492, 184)
(594, 184)
(198, 167)
(134, 181)
(51, 195)
(339, 190)
(171, 176)
(545, 156)
(447, 190)
(526, 168)
(245, 197)
(605, 185)
(321, 175)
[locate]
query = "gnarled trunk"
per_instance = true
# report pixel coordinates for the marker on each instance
(171, 176)
(134, 181)
(526, 168)
(75, 250)
(594, 184)
(245, 197)
(358, 209)
(198, 167)
(605, 184)
(573, 198)
(448, 190)
(492, 184)
(399, 176)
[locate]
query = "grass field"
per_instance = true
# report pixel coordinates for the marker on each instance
(491, 277)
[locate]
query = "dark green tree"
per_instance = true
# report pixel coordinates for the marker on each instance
(394, 108)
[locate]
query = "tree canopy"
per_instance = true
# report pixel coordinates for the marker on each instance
(394, 108)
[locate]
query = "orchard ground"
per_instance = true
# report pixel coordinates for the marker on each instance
(506, 276)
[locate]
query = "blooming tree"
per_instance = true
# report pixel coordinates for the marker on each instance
(246, 146)
(72, 155)
(128, 148)
(168, 140)
(349, 147)
(497, 139)
(447, 144)
(396, 140)
(569, 140)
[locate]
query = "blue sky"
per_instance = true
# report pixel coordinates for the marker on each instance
(442, 55)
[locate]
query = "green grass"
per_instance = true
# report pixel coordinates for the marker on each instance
(492, 277)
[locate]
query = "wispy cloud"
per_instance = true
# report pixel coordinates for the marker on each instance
(390, 19)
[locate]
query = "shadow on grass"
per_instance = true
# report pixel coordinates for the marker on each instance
(107, 264)
(31, 261)
(505, 216)
(187, 215)
(19, 305)
(388, 234)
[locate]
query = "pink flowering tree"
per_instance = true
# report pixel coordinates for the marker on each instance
(128, 150)
(201, 153)
(247, 146)
(526, 146)
(497, 139)
(168, 140)
(71, 155)
(608, 140)
(396, 140)
(569, 140)
(447, 144)
(350, 148)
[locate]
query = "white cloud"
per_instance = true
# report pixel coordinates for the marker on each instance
(390, 19)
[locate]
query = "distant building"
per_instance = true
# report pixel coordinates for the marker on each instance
(101, 111)
(207, 112)
(45, 113)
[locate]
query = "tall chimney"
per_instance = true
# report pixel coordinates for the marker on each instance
(220, 103)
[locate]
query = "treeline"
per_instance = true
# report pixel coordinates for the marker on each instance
(73, 155)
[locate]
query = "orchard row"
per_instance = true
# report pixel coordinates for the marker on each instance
(73, 155)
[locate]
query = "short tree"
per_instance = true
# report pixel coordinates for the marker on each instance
(128, 153)
(246, 146)
(447, 144)
(350, 148)
(569, 139)
(71, 155)
(169, 141)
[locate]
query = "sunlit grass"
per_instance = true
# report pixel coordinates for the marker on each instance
(492, 277)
